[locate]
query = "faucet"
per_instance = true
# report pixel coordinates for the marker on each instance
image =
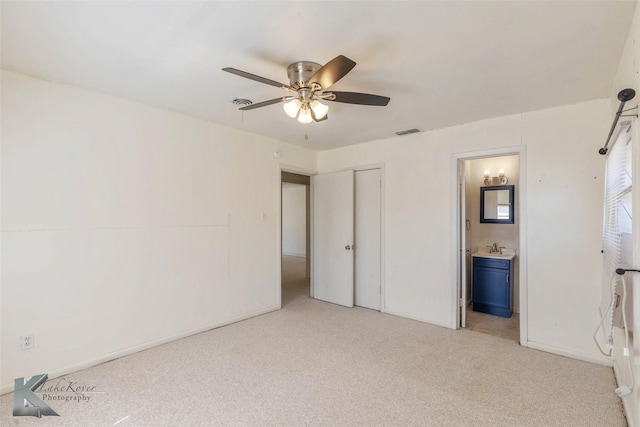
(494, 248)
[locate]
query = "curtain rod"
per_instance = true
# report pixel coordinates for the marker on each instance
(624, 95)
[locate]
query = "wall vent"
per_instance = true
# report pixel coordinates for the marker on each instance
(241, 101)
(407, 132)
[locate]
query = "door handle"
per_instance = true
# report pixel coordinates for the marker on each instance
(348, 247)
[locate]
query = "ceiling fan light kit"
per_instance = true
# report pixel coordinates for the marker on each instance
(304, 115)
(292, 107)
(319, 109)
(309, 82)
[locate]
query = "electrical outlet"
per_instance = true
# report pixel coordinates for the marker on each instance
(27, 342)
(623, 391)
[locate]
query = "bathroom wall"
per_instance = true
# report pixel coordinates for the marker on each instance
(486, 234)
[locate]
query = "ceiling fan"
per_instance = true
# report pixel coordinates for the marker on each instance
(308, 83)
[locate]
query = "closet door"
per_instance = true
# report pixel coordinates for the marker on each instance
(367, 237)
(333, 219)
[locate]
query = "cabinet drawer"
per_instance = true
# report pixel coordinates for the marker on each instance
(491, 263)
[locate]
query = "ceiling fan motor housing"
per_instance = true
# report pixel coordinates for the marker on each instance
(300, 73)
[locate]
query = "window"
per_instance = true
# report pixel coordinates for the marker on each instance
(618, 214)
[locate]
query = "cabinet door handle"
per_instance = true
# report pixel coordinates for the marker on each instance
(506, 278)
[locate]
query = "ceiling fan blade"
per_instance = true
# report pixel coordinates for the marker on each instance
(254, 77)
(262, 104)
(333, 71)
(360, 98)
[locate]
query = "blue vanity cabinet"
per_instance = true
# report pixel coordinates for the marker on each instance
(492, 291)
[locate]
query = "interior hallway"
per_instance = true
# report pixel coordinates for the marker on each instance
(294, 283)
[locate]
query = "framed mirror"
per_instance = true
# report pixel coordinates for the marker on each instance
(497, 204)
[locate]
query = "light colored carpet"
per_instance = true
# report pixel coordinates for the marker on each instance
(314, 363)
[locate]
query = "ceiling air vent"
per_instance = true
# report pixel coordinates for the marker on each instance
(242, 101)
(408, 131)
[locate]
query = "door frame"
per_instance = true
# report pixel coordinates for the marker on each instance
(462, 243)
(299, 171)
(457, 159)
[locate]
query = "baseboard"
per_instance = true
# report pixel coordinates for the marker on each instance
(625, 400)
(599, 360)
(8, 388)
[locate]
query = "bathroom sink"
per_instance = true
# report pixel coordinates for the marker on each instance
(485, 252)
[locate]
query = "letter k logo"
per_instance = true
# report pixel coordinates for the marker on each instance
(23, 395)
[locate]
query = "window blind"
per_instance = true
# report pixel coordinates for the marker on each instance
(617, 200)
(618, 213)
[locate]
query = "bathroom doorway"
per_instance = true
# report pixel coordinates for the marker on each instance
(489, 285)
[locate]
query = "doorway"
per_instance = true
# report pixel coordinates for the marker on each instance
(295, 237)
(476, 237)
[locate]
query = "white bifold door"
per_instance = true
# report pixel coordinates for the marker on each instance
(333, 237)
(346, 265)
(367, 228)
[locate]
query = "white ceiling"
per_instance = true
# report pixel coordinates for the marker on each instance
(441, 63)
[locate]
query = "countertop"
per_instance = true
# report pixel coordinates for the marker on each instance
(506, 254)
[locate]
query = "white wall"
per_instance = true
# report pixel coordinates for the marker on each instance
(294, 219)
(483, 234)
(564, 180)
(627, 77)
(124, 226)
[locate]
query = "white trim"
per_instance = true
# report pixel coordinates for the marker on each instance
(521, 151)
(311, 238)
(626, 407)
(8, 388)
(461, 267)
(632, 407)
(309, 173)
(296, 170)
(383, 245)
(278, 284)
(600, 360)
